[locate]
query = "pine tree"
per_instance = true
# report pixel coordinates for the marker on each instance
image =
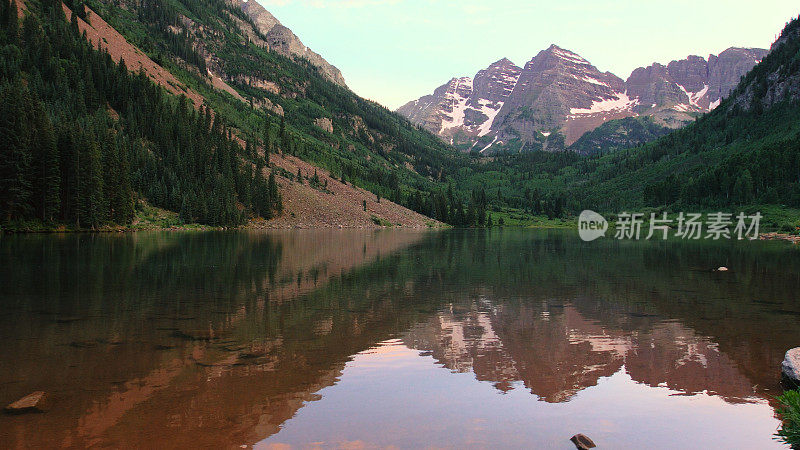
(123, 202)
(90, 199)
(276, 203)
(267, 138)
(743, 189)
(46, 173)
(15, 152)
(185, 214)
(11, 22)
(282, 133)
(68, 167)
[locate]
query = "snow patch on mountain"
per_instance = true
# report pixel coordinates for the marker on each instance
(458, 104)
(489, 111)
(620, 102)
(694, 97)
(592, 80)
(569, 56)
(489, 146)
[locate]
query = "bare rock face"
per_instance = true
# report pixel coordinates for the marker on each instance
(495, 83)
(691, 73)
(791, 365)
(284, 41)
(726, 70)
(556, 87)
(653, 86)
(34, 402)
(324, 123)
(464, 109)
(779, 80)
(559, 96)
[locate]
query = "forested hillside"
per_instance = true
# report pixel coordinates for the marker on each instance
(745, 152)
(619, 134)
(89, 140)
(286, 105)
(82, 138)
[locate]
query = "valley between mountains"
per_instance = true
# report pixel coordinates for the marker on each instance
(128, 114)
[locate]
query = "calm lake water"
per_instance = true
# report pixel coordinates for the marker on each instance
(487, 338)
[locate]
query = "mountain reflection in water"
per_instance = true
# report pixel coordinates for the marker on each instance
(340, 337)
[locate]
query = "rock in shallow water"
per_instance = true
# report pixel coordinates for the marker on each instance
(582, 442)
(791, 365)
(35, 402)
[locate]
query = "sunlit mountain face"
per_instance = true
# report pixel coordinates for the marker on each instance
(558, 96)
(392, 338)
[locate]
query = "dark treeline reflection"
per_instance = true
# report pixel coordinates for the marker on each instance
(206, 338)
(136, 274)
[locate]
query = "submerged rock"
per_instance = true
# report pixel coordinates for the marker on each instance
(34, 402)
(791, 365)
(582, 442)
(199, 335)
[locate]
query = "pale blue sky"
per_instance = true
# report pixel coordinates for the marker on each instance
(393, 51)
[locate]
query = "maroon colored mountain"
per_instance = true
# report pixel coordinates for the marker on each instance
(558, 96)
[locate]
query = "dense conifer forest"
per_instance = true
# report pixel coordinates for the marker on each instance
(83, 138)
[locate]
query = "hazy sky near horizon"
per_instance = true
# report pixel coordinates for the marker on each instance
(394, 51)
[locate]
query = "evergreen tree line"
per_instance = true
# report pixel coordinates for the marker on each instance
(372, 147)
(81, 137)
(447, 207)
(163, 19)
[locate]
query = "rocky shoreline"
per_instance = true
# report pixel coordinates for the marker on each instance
(793, 238)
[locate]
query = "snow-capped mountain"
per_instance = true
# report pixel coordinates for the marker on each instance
(558, 96)
(464, 109)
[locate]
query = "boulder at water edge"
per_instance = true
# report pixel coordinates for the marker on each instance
(791, 365)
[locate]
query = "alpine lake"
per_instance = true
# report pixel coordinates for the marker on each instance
(360, 339)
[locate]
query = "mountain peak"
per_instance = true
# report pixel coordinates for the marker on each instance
(283, 40)
(562, 54)
(502, 62)
(560, 91)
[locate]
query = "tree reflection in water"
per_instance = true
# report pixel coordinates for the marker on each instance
(209, 339)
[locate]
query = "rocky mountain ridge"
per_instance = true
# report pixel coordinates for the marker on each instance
(283, 40)
(558, 96)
